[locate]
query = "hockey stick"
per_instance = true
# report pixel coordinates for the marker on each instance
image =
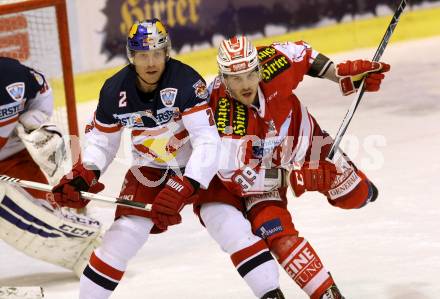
(350, 113)
(84, 195)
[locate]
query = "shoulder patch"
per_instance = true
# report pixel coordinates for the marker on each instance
(16, 90)
(201, 90)
(168, 96)
(38, 77)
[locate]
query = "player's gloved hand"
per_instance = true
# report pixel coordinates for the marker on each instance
(67, 192)
(351, 73)
(170, 201)
(312, 177)
(33, 119)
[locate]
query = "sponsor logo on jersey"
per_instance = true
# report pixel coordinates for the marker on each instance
(132, 119)
(166, 114)
(168, 96)
(251, 201)
(201, 90)
(272, 96)
(38, 77)
(269, 228)
(10, 110)
(274, 67)
(266, 53)
(266, 146)
(303, 266)
(347, 186)
(223, 116)
(16, 90)
(240, 119)
(217, 83)
(40, 80)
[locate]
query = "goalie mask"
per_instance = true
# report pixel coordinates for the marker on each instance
(147, 35)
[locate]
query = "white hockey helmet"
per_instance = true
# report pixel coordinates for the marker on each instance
(237, 55)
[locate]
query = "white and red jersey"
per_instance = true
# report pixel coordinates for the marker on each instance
(21, 89)
(171, 127)
(274, 132)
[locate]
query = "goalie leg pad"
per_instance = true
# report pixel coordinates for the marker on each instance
(36, 229)
(249, 253)
(107, 264)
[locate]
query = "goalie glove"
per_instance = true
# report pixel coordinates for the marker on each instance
(310, 177)
(67, 192)
(351, 73)
(47, 148)
(33, 119)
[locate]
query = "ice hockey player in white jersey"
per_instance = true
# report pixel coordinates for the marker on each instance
(31, 149)
(174, 141)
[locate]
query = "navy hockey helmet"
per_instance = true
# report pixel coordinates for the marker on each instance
(147, 35)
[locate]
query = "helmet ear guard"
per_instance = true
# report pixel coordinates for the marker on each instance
(147, 35)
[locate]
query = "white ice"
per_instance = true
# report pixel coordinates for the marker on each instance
(389, 249)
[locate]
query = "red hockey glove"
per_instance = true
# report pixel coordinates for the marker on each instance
(170, 201)
(67, 192)
(351, 73)
(318, 178)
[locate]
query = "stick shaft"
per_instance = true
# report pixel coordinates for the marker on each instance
(350, 113)
(84, 195)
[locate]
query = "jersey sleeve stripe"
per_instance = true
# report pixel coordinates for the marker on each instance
(196, 109)
(106, 128)
(9, 121)
(3, 141)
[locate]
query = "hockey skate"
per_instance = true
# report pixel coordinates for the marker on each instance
(332, 293)
(274, 294)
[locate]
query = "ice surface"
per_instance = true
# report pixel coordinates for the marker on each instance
(389, 249)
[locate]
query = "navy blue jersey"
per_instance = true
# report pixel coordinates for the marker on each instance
(179, 89)
(172, 127)
(18, 83)
(21, 89)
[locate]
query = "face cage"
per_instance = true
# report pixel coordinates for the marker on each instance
(222, 78)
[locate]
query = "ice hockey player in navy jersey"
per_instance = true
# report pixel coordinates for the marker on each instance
(174, 139)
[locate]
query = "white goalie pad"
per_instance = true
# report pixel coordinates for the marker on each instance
(33, 227)
(21, 293)
(48, 149)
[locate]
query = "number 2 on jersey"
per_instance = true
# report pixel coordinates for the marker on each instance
(123, 99)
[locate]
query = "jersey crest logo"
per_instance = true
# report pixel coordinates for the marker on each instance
(168, 96)
(16, 90)
(201, 90)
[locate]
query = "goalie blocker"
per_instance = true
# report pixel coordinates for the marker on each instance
(35, 228)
